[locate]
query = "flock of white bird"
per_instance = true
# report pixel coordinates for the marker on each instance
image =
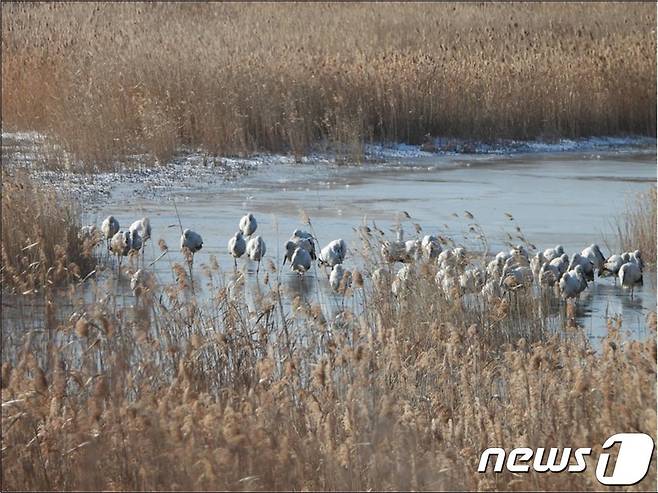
(300, 249)
(507, 271)
(510, 270)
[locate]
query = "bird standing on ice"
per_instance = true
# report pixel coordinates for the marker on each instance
(300, 261)
(256, 250)
(236, 247)
(121, 244)
(573, 283)
(190, 243)
(109, 228)
(143, 228)
(630, 274)
(334, 253)
(248, 224)
(594, 255)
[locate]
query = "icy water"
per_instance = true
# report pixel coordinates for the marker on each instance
(567, 198)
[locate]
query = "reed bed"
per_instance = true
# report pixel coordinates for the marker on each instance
(636, 228)
(171, 389)
(41, 244)
(108, 81)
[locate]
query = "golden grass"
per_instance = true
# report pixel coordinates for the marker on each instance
(110, 80)
(636, 228)
(40, 236)
(180, 393)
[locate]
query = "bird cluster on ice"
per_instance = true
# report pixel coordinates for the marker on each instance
(506, 272)
(300, 249)
(511, 270)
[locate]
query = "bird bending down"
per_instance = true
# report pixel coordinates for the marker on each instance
(630, 274)
(595, 256)
(334, 253)
(256, 250)
(236, 247)
(300, 239)
(553, 253)
(300, 261)
(248, 224)
(190, 243)
(573, 283)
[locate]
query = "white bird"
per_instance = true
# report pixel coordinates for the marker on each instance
(300, 261)
(412, 249)
(594, 255)
(495, 267)
(340, 279)
(256, 250)
(636, 258)
(300, 239)
(334, 253)
(120, 245)
(573, 283)
(612, 265)
(630, 274)
(517, 277)
(430, 246)
(136, 241)
(143, 227)
(536, 263)
(248, 224)
(552, 253)
(109, 227)
(190, 243)
(237, 246)
(562, 263)
(584, 262)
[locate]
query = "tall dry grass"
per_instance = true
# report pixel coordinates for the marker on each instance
(171, 391)
(636, 227)
(111, 80)
(40, 236)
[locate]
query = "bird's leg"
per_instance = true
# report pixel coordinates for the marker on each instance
(235, 264)
(257, 268)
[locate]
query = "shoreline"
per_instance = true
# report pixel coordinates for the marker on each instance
(196, 169)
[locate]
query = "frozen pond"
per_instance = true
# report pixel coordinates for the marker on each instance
(570, 198)
(563, 198)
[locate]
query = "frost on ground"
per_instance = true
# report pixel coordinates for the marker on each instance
(192, 168)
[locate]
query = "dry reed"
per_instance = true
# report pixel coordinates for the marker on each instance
(636, 228)
(107, 81)
(173, 392)
(41, 244)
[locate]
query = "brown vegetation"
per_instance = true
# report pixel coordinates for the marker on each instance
(40, 245)
(636, 228)
(110, 80)
(173, 392)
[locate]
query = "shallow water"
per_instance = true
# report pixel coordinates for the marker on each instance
(568, 198)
